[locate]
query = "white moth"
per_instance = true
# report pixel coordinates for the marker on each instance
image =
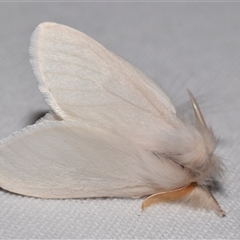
(112, 133)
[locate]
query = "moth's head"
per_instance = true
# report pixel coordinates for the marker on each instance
(209, 165)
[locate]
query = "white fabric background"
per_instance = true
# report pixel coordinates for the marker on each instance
(179, 45)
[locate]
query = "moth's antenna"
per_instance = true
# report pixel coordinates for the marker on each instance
(197, 110)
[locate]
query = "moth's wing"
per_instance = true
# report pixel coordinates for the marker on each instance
(81, 79)
(67, 159)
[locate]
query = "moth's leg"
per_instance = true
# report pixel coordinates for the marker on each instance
(202, 198)
(192, 195)
(170, 196)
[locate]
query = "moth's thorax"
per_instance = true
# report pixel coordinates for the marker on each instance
(199, 158)
(191, 148)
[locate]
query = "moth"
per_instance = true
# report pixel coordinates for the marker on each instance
(112, 131)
